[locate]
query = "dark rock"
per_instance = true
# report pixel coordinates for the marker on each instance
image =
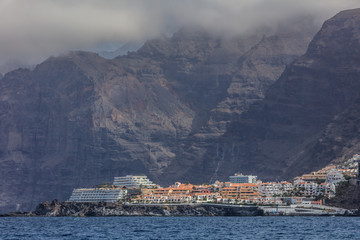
(116, 209)
(278, 137)
(347, 196)
(340, 141)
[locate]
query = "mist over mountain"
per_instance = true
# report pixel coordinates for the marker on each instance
(12, 65)
(123, 50)
(33, 31)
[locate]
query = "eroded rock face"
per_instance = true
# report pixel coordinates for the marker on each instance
(340, 141)
(79, 120)
(276, 137)
(348, 197)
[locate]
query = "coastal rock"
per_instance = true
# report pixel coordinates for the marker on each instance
(59, 209)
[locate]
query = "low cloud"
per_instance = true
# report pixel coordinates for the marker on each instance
(33, 30)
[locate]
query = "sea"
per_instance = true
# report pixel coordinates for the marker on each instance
(179, 228)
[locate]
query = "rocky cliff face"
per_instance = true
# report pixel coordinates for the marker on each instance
(279, 136)
(78, 120)
(347, 196)
(340, 140)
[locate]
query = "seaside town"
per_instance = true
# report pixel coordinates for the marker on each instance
(307, 190)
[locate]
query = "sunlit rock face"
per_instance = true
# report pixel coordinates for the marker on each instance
(78, 120)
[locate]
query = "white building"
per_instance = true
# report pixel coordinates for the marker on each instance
(327, 189)
(269, 189)
(334, 176)
(130, 181)
(274, 188)
(97, 195)
(239, 178)
(313, 189)
(286, 186)
(307, 188)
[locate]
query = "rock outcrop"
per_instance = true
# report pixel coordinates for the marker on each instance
(59, 209)
(347, 196)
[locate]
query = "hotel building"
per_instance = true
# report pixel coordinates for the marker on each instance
(130, 181)
(97, 195)
(239, 178)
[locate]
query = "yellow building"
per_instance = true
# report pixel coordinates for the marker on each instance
(240, 191)
(318, 175)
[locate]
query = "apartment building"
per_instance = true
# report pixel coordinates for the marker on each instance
(275, 188)
(97, 195)
(131, 181)
(318, 175)
(334, 176)
(239, 191)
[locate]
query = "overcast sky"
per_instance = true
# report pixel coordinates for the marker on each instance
(32, 30)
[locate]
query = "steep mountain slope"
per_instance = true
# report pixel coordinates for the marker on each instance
(257, 69)
(275, 137)
(78, 120)
(340, 141)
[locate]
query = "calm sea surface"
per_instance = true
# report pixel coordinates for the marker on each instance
(180, 228)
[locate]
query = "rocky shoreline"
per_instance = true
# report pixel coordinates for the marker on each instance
(101, 209)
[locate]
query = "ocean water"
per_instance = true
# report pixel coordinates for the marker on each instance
(180, 228)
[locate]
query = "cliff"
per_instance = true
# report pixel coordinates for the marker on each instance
(78, 120)
(307, 118)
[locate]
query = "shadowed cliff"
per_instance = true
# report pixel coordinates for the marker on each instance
(283, 135)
